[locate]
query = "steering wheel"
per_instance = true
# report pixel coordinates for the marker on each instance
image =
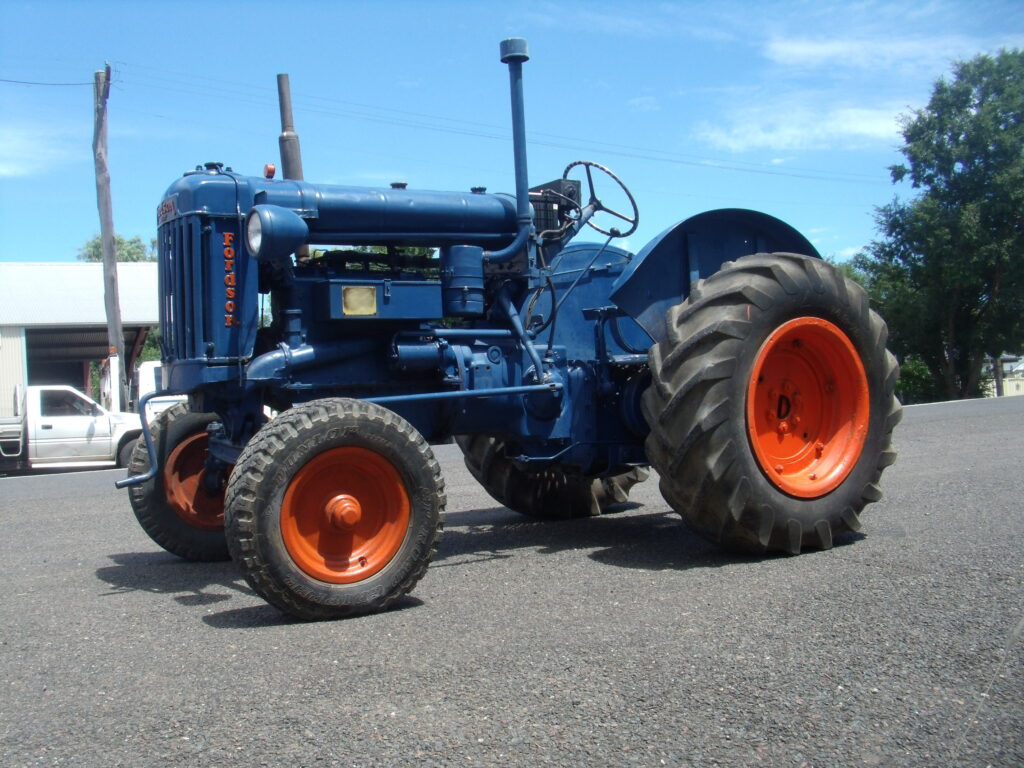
(595, 201)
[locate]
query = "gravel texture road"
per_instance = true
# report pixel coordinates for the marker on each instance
(622, 640)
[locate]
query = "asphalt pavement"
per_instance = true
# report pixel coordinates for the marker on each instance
(615, 641)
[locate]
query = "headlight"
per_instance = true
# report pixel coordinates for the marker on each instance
(273, 233)
(253, 232)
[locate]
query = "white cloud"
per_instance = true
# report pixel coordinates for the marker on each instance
(802, 126)
(643, 104)
(843, 76)
(31, 150)
(931, 54)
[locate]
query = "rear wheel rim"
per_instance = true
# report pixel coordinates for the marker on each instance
(807, 407)
(345, 515)
(184, 485)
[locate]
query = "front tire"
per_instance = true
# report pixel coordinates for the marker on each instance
(334, 509)
(772, 405)
(176, 507)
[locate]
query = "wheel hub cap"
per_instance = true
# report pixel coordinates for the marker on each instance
(345, 515)
(186, 488)
(344, 511)
(807, 407)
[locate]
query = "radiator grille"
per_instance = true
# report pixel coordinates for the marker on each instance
(182, 289)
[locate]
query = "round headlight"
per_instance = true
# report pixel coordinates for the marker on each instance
(254, 232)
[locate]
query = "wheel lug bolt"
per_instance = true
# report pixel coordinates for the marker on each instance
(813, 476)
(819, 449)
(783, 427)
(778, 468)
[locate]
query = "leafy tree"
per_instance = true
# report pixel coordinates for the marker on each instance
(151, 347)
(948, 273)
(848, 268)
(127, 250)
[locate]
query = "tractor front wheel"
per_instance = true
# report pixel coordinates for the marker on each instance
(548, 494)
(334, 509)
(771, 406)
(181, 507)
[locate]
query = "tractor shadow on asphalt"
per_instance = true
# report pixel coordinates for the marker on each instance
(194, 585)
(630, 537)
(200, 585)
(162, 573)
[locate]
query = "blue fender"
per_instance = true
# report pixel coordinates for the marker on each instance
(660, 276)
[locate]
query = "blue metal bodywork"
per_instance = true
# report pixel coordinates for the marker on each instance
(664, 271)
(504, 331)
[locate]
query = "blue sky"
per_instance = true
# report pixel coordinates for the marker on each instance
(786, 107)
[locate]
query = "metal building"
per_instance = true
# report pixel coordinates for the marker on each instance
(53, 324)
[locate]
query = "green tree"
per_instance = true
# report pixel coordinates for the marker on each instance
(127, 250)
(948, 273)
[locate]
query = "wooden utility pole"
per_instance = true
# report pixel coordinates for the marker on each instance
(111, 300)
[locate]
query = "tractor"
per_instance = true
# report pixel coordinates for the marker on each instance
(326, 336)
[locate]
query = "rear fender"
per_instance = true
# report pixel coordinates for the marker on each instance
(661, 275)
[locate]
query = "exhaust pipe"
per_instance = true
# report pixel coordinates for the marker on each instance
(513, 53)
(291, 155)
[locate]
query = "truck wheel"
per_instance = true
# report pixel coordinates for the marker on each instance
(771, 407)
(550, 494)
(175, 507)
(124, 453)
(334, 509)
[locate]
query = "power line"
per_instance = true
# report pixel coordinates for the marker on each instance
(205, 86)
(231, 87)
(32, 82)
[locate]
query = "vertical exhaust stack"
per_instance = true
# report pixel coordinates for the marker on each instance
(291, 154)
(514, 52)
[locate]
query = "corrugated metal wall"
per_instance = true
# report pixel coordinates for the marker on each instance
(12, 366)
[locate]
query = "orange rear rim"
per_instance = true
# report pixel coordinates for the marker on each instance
(345, 515)
(186, 492)
(807, 407)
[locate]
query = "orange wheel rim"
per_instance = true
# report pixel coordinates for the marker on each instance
(186, 492)
(807, 407)
(345, 515)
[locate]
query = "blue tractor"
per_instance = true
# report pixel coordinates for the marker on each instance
(327, 335)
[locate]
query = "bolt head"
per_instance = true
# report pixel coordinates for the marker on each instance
(344, 511)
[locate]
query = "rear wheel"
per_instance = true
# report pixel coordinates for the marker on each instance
(772, 406)
(550, 493)
(334, 509)
(181, 507)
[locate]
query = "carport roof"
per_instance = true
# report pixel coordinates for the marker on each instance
(37, 295)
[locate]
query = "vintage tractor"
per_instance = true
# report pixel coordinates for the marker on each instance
(327, 335)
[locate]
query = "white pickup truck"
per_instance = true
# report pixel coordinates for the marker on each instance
(58, 426)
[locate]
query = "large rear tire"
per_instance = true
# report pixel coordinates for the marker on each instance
(772, 405)
(334, 509)
(177, 508)
(550, 494)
